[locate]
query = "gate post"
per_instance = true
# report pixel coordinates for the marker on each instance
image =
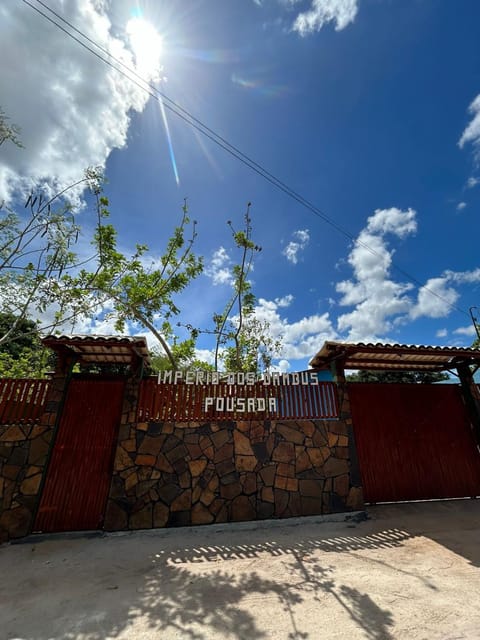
(471, 395)
(355, 500)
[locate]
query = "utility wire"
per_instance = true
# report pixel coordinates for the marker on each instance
(173, 106)
(197, 124)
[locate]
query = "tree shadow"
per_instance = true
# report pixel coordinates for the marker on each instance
(218, 581)
(365, 613)
(215, 600)
(107, 587)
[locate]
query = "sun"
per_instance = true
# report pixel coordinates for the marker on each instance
(147, 46)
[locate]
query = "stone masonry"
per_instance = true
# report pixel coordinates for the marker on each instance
(24, 452)
(173, 474)
(169, 474)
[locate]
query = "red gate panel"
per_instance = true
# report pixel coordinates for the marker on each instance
(414, 441)
(78, 476)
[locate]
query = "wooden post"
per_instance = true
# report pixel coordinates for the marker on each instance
(337, 368)
(471, 396)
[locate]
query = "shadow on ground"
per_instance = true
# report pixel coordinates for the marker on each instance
(439, 520)
(217, 582)
(181, 589)
(216, 599)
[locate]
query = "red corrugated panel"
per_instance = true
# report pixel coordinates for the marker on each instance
(414, 441)
(22, 400)
(182, 402)
(79, 472)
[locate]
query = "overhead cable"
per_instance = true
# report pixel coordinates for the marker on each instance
(220, 141)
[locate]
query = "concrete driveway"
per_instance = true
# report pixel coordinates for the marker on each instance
(411, 571)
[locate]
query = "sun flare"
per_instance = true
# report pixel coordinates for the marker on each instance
(147, 46)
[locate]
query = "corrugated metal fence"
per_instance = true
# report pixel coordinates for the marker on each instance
(182, 402)
(22, 400)
(80, 470)
(414, 442)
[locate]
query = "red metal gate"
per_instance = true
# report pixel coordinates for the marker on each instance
(414, 442)
(78, 476)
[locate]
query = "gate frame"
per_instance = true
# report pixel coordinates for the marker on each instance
(338, 356)
(72, 350)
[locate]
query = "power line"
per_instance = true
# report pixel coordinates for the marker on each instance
(197, 124)
(185, 115)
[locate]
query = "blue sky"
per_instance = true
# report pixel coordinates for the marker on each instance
(366, 108)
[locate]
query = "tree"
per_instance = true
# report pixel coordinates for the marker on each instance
(184, 355)
(35, 248)
(24, 356)
(40, 271)
(36, 251)
(136, 291)
(397, 377)
(8, 131)
(243, 340)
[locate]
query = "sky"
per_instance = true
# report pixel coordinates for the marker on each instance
(369, 110)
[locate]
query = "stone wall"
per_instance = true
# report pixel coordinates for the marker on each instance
(169, 474)
(355, 498)
(24, 450)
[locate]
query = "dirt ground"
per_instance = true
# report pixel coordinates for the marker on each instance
(412, 571)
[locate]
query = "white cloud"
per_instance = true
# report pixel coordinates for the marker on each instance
(283, 366)
(72, 108)
(381, 303)
(321, 12)
(206, 355)
(377, 298)
(98, 326)
(463, 277)
(219, 267)
(301, 240)
(472, 182)
(101, 321)
(442, 333)
(301, 338)
(469, 330)
(393, 220)
(472, 131)
(436, 297)
(461, 206)
(286, 301)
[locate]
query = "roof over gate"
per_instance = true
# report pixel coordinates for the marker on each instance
(100, 349)
(394, 357)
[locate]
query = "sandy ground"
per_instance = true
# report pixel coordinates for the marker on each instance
(411, 571)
